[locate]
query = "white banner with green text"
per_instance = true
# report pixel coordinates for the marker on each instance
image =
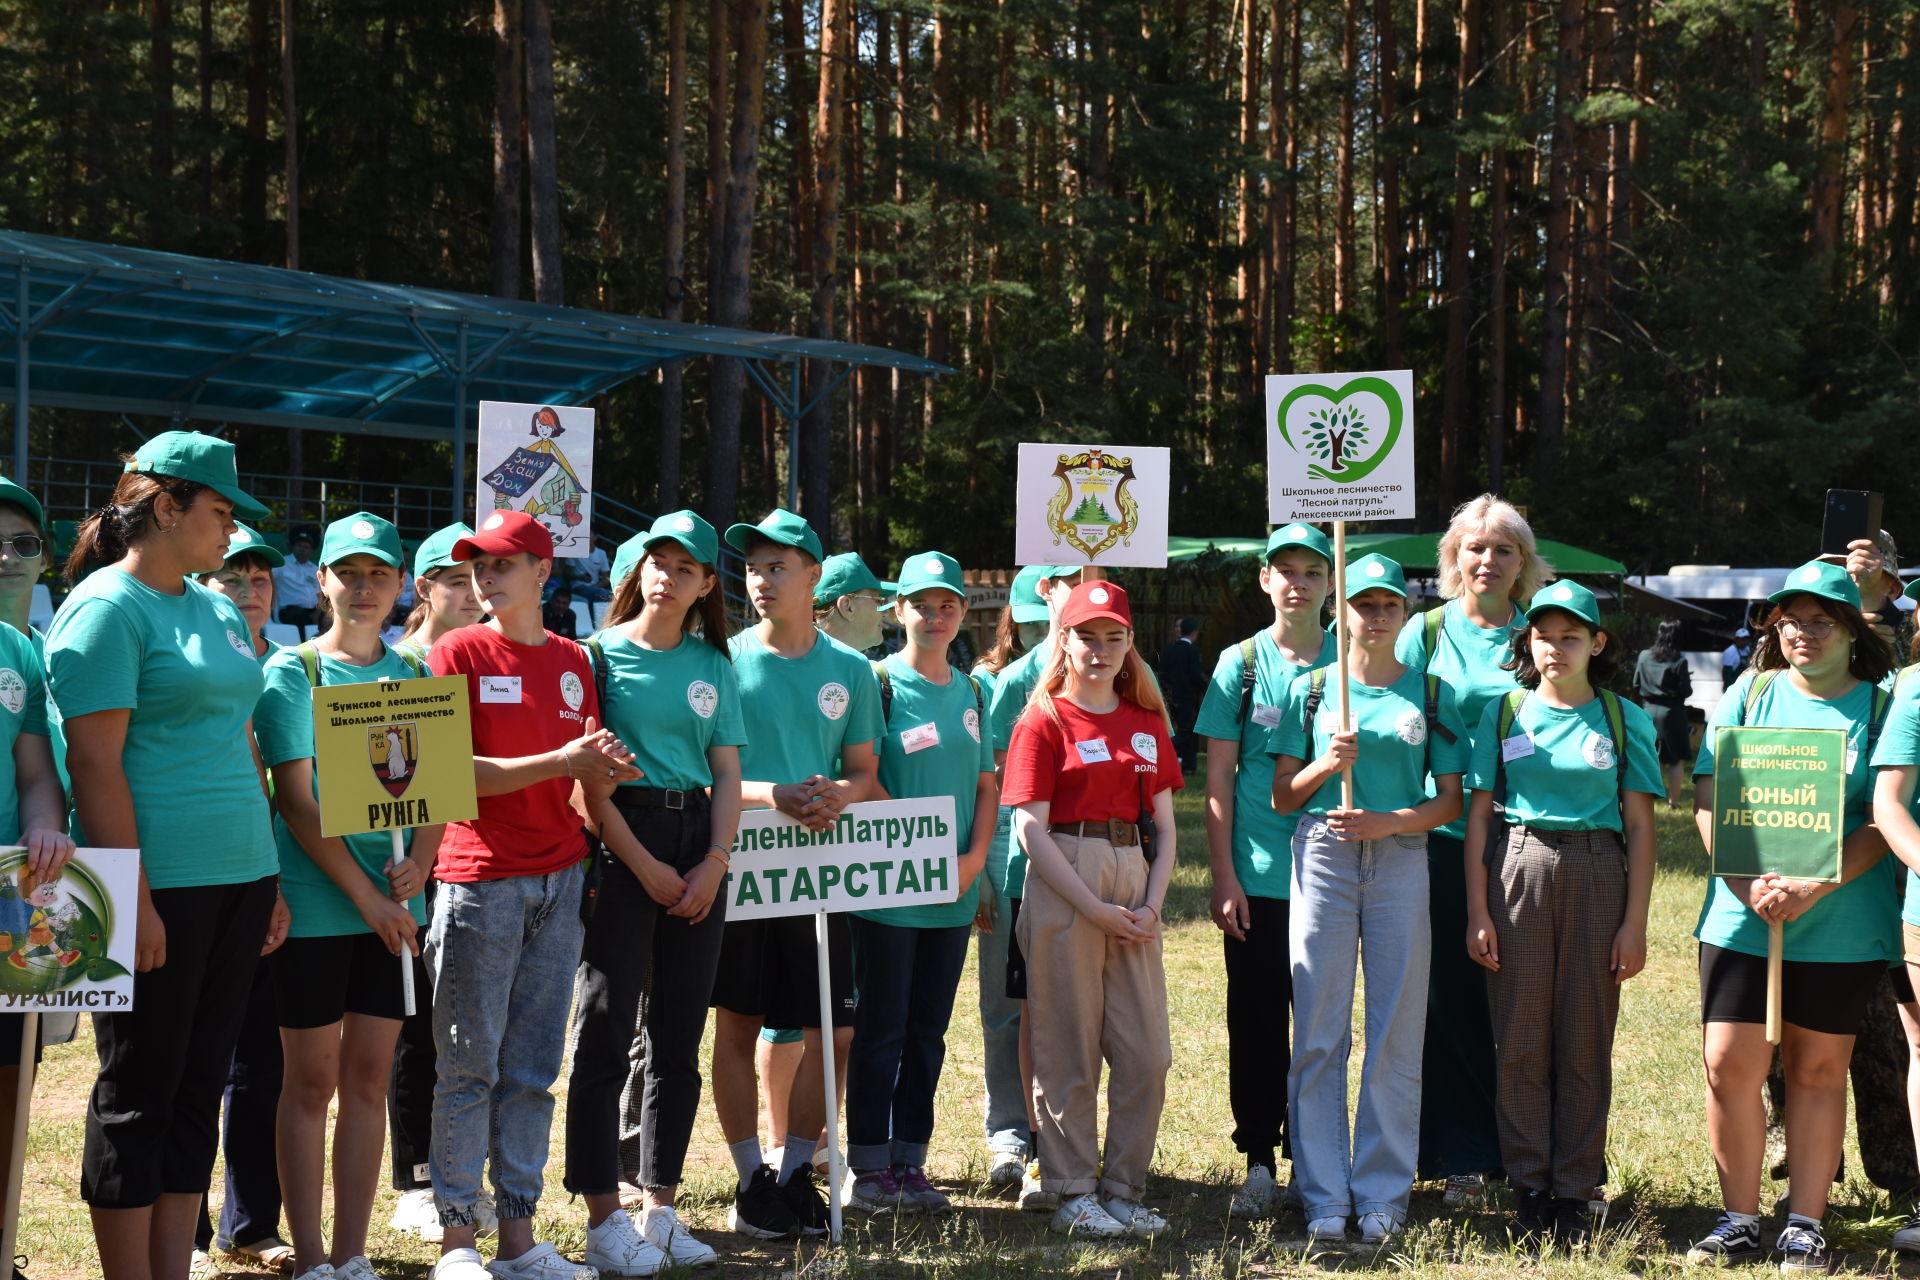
(882, 853)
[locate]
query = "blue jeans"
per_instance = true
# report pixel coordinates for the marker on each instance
(503, 954)
(1370, 896)
(1006, 1125)
(907, 979)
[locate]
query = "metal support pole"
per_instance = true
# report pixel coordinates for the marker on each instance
(792, 409)
(22, 343)
(460, 430)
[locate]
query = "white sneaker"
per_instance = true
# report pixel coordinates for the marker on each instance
(1033, 1197)
(486, 1218)
(1084, 1216)
(319, 1271)
(542, 1262)
(1254, 1198)
(614, 1248)
(1377, 1228)
(356, 1268)
(460, 1264)
(418, 1215)
(1007, 1169)
(664, 1231)
(1135, 1217)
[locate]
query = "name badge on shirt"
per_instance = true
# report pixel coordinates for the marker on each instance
(1516, 747)
(1092, 752)
(920, 737)
(499, 688)
(1265, 716)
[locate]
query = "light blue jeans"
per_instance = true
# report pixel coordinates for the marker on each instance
(1371, 897)
(1006, 1124)
(503, 954)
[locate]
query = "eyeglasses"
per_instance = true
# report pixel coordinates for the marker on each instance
(25, 545)
(1819, 630)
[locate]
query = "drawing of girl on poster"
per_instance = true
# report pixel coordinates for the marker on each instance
(562, 494)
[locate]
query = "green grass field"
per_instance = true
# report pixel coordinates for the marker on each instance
(1664, 1189)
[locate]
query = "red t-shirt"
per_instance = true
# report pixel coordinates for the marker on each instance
(1089, 768)
(525, 699)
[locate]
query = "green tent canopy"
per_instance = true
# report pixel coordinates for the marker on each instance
(1418, 552)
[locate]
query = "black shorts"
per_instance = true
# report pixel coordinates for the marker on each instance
(11, 1025)
(1828, 998)
(768, 967)
(318, 981)
(1016, 959)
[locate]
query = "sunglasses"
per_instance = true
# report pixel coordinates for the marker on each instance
(25, 545)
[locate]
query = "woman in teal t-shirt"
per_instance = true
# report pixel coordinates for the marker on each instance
(357, 912)
(1558, 880)
(1896, 763)
(907, 961)
(1815, 667)
(657, 926)
(446, 600)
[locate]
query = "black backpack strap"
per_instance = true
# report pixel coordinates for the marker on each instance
(1316, 693)
(1504, 721)
(885, 678)
(1249, 674)
(597, 655)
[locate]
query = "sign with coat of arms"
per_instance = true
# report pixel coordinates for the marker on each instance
(393, 754)
(1092, 504)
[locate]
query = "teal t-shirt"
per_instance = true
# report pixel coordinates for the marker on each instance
(1567, 780)
(946, 762)
(1262, 838)
(1008, 700)
(23, 709)
(283, 722)
(1860, 920)
(800, 712)
(995, 873)
(669, 706)
(181, 666)
(1900, 745)
(1469, 661)
(1391, 772)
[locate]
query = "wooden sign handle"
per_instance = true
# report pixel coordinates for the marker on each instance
(1776, 956)
(1341, 646)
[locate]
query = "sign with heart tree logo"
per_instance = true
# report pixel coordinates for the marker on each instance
(1340, 446)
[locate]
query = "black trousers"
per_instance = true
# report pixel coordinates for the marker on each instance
(250, 1206)
(410, 1090)
(1259, 1043)
(154, 1116)
(1458, 1070)
(642, 973)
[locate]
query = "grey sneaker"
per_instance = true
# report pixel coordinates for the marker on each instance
(1254, 1198)
(1007, 1169)
(1907, 1238)
(1377, 1228)
(921, 1194)
(877, 1191)
(1801, 1249)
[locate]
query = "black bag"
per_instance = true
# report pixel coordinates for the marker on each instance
(596, 870)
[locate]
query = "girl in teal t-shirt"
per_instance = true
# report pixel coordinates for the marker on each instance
(1815, 666)
(443, 587)
(357, 911)
(1558, 880)
(655, 933)
(907, 961)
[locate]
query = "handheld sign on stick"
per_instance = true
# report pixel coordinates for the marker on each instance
(881, 853)
(1340, 448)
(393, 754)
(1779, 798)
(538, 458)
(1091, 504)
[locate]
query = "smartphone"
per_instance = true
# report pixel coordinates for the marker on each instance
(1852, 515)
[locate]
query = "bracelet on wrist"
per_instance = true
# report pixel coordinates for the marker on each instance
(719, 858)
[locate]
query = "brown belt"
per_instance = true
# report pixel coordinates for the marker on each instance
(1116, 833)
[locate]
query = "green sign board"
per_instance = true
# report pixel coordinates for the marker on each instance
(1778, 798)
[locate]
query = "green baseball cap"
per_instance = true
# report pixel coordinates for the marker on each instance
(783, 527)
(246, 541)
(1372, 571)
(204, 459)
(1304, 536)
(362, 534)
(1568, 597)
(436, 550)
(1912, 591)
(1818, 578)
(1024, 595)
(926, 570)
(11, 492)
(844, 575)
(683, 527)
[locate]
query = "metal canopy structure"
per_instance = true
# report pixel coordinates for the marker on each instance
(136, 331)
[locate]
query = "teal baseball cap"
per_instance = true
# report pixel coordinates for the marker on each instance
(1568, 597)
(1024, 595)
(1912, 591)
(362, 534)
(436, 551)
(926, 570)
(201, 458)
(683, 527)
(781, 526)
(845, 575)
(1818, 578)
(1304, 536)
(1372, 571)
(11, 492)
(246, 541)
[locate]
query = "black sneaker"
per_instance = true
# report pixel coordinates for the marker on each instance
(1572, 1223)
(804, 1201)
(1728, 1243)
(760, 1211)
(1532, 1216)
(1802, 1248)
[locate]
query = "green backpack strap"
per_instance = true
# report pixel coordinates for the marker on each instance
(979, 699)
(1249, 674)
(885, 678)
(309, 661)
(1617, 730)
(1316, 693)
(414, 664)
(1756, 686)
(597, 655)
(1433, 620)
(1502, 730)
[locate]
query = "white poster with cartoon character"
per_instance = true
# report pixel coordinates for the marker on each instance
(67, 939)
(538, 458)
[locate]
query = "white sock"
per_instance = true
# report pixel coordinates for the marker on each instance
(1802, 1220)
(798, 1152)
(746, 1158)
(1743, 1219)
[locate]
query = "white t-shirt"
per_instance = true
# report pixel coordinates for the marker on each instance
(296, 584)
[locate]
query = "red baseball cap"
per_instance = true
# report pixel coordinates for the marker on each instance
(1092, 600)
(506, 533)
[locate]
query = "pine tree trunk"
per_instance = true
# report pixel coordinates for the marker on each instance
(1099, 140)
(1458, 364)
(205, 69)
(1829, 180)
(1245, 226)
(673, 373)
(290, 114)
(161, 67)
(1569, 60)
(1501, 250)
(799, 170)
(1393, 281)
(253, 182)
(1343, 244)
(731, 298)
(836, 47)
(719, 27)
(543, 156)
(1286, 258)
(508, 78)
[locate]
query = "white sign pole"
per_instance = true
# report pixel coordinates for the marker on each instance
(406, 956)
(835, 1174)
(16, 1167)
(1342, 642)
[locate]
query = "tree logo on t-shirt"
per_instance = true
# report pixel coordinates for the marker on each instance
(13, 690)
(1412, 728)
(1147, 747)
(240, 646)
(572, 690)
(1598, 751)
(703, 698)
(833, 699)
(972, 720)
